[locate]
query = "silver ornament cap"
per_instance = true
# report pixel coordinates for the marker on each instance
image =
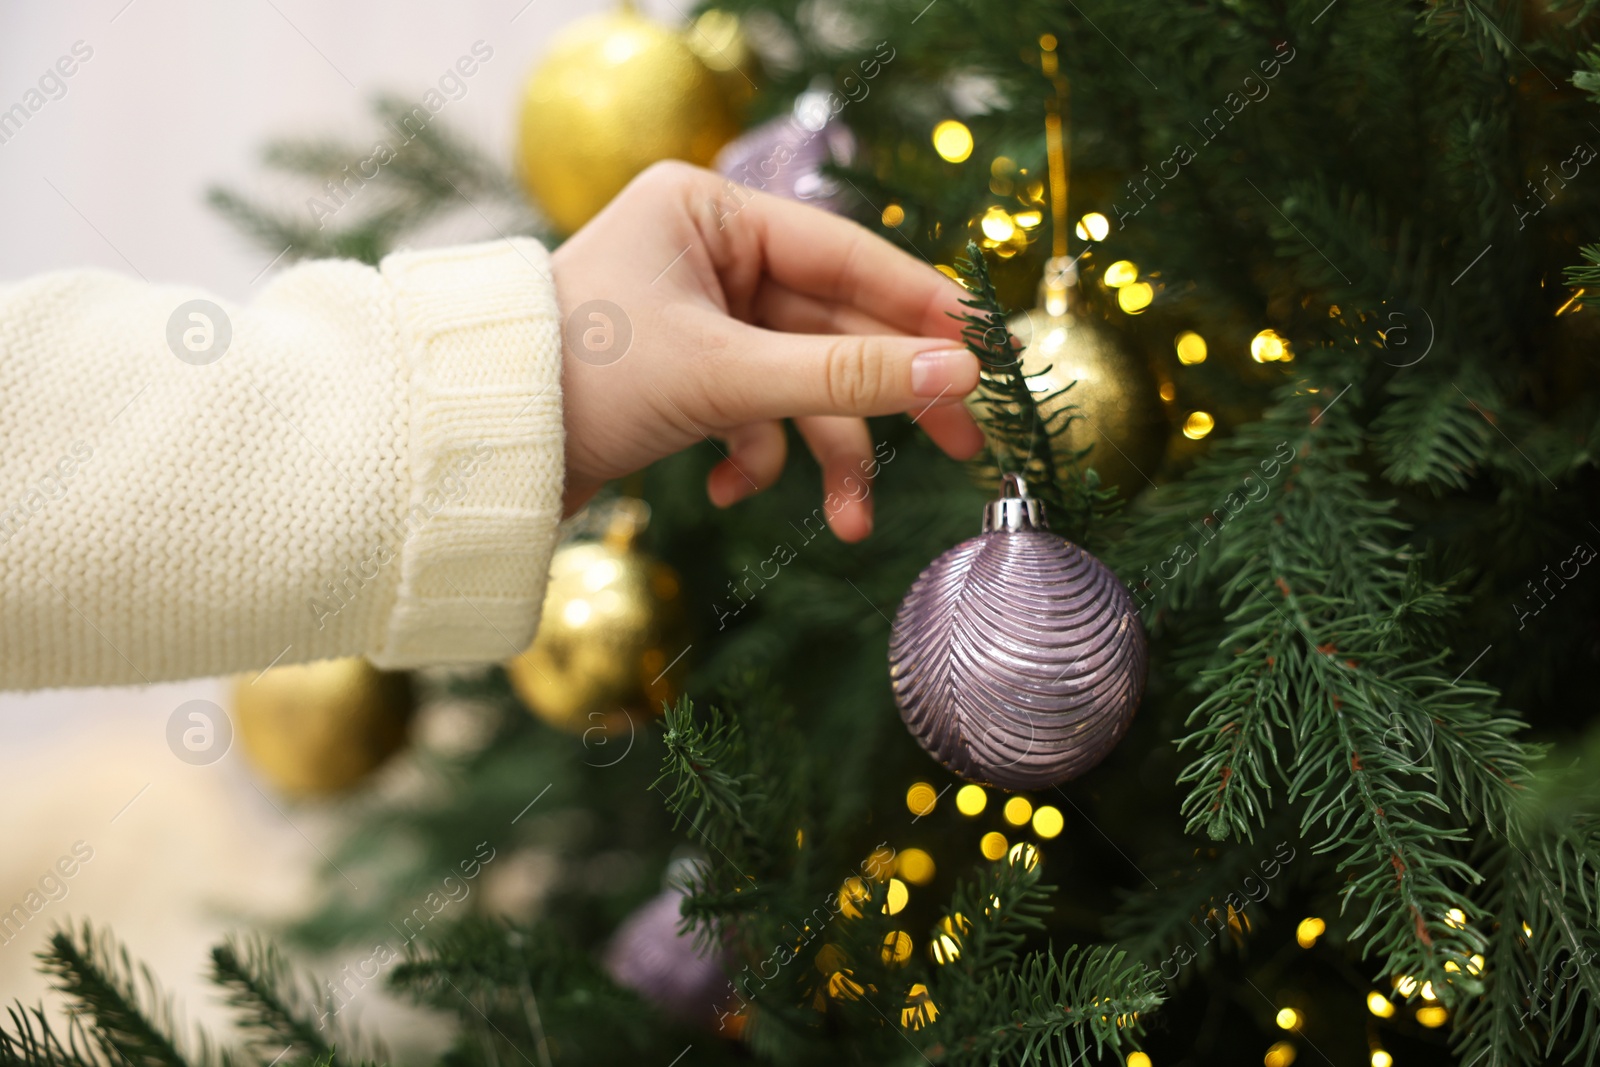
(1017, 658)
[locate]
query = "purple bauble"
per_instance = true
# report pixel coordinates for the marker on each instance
(651, 956)
(1017, 658)
(785, 156)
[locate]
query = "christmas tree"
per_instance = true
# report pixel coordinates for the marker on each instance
(1357, 817)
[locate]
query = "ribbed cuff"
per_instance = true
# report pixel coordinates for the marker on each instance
(479, 334)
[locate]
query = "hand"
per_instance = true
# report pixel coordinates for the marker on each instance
(745, 309)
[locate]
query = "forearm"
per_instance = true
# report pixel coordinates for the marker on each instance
(372, 466)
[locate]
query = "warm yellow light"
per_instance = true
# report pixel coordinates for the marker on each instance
(1167, 392)
(1405, 985)
(920, 1011)
(947, 945)
(896, 897)
(1427, 991)
(1379, 1005)
(854, 889)
(971, 800)
(1527, 931)
(1191, 348)
(1138, 1059)
(1287, 1019)
(952, 140)
(1433, 1016)
(1121, 273)
(842, 987)
(1047, 822)
(1309, 930)
(1135, 297)
(1476, 966)
(1198, 424)
(1455, 918)
(1093, 227)
(1268, 346)
(997, 224)
(894, 215)
(1381, 1058)
(993, 845)
(915, 866)
(1018, 811)
(1279, 1055)
(921, 798)
(1028, 219)
(896, 947)
(1024, 855)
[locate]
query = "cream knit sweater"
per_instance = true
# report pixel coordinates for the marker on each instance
(360, 462)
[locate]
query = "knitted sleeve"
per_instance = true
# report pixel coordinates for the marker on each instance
(360, 462)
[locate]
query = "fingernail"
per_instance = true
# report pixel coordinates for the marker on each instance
(936, 373)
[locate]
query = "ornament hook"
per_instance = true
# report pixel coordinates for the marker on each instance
(1014, 513)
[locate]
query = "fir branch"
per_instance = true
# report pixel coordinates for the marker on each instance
(31, 1040)
(273, 1008)
(133, 1021)
(703, 793)
(1430, 435)
(1021, 439)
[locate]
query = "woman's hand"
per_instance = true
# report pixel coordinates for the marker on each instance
(695, 308)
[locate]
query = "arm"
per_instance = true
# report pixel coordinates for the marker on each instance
(370, 464)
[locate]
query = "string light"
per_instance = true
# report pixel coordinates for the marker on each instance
(1433, 1016)
(1018, 811)
(953, 141)
(997, 225)
(921, 798)
(1048, 822)
(1023, 855)
(1381, 1058)
(1405, 985)
(1380, 1005)
(894, 215)
(914, 865)
(854, 889)
(896, 947)
(946, 946)
(896, 897)
(920, 1011)
(1455, 918)
(1198, 424)
(1269, 346)
(1135, 297)
(1287, 1019)
(1093, 227)
(993, 845)
(1167, 392)
(1121, 273)
(971, 800)
(1476, 966)
(1138, 1059)
(1309, 930)
(1028, 219)
(1280, 1054)
(1191, 348)
(1427, 991)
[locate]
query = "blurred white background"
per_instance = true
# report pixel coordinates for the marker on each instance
(175, 97)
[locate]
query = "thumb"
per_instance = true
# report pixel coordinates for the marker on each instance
(789, 375)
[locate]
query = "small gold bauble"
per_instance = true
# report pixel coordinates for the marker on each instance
(610, 629)
(318, 728)
(1117, 398)
(615, 93)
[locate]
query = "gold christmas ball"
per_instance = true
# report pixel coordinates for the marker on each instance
(615, 93)
(610, 630)
(318, 728)
(1116, 395)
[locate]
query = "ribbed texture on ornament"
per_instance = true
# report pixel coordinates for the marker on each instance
(1017, 659)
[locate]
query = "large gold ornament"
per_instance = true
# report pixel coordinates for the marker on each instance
(1116, 395)
(615, 93)
(318, 728)
(610, 635)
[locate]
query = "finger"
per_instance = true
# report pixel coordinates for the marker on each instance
(771, 375)
(754, 461)
(952, 428)
(821, 254)
(777, 307)
(843, 447)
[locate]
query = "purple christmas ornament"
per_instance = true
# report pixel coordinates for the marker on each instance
(785, 156)
(1017, 658)
(649, 955)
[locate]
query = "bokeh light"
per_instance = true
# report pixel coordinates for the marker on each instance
(952, 140)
